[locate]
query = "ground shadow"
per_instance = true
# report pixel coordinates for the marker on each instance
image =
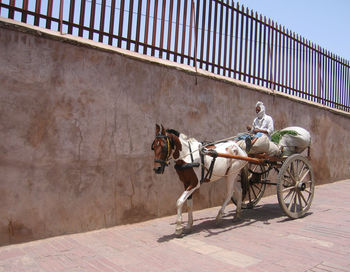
(261, 213)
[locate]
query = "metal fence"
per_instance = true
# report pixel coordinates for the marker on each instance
(215, 35)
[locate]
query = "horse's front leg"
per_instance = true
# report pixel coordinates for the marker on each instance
(179, 204)
(190, 213)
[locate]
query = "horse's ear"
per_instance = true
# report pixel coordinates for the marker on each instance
(177, 146)
(157, 129)
(163, 130)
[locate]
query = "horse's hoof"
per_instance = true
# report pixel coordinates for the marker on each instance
(237, 219)
(218, 218)
(188, 229)
(179, 231)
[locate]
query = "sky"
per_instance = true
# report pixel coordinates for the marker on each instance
(326, 23)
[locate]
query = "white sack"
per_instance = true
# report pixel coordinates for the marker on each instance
(274, 150)
(295, 144)
(262, 145)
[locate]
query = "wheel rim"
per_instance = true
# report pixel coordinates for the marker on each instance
(296, 186)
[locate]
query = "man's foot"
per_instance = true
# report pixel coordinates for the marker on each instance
(248, 144)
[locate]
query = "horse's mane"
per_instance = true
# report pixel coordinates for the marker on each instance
(173, 131)
(180, 135)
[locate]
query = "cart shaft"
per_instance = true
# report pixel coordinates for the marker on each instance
(238, 157)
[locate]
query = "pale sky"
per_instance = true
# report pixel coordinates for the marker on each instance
(324, 22)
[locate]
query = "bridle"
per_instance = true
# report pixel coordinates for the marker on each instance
(165, 149)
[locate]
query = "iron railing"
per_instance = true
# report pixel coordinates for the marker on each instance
(215, 35)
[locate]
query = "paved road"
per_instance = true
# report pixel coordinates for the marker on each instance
(265, 240)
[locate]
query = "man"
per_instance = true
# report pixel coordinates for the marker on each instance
(262, 124)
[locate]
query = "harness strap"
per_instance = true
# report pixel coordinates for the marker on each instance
(187, 165)
(189, 147)
(211, 167)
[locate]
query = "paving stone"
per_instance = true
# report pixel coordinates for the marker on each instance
(265, 240)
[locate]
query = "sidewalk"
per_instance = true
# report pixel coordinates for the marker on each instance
(266, 240)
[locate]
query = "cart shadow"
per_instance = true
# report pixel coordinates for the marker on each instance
(260, 214)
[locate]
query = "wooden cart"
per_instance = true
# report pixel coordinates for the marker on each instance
(294, 180)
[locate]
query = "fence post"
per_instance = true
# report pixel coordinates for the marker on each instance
(61, 16)
(319, 90)
(49, 13)
(195, 22)
(11, 10)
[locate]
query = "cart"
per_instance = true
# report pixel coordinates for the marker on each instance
(295, 181)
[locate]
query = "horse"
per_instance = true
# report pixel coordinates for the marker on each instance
(196, 163)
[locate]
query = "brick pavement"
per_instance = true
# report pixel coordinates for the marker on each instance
(265, 240)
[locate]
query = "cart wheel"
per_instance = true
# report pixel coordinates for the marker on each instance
(253, 188)
(295, 188)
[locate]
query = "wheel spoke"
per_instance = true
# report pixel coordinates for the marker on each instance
(309, 192)
(295, 202)
(250, 199)
(294, 169)
(291, 202)
(304, 166)
(254, 193)
(299, 198)
(291, 176)
(259, 188)
(302, 196)
(289, 193)
(287, 181)
(288, 188)
(307, 172)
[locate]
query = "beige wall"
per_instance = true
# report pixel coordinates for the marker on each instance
(77, 121)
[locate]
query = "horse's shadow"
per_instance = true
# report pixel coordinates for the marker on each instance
(261, 213)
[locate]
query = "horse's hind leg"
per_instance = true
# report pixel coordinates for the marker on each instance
(229, 192)
(237, 191)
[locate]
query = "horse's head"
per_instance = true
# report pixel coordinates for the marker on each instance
(163, 146)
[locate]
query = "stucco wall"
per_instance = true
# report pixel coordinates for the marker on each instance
(77, 121)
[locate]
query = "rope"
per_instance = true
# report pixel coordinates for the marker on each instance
(203, 145)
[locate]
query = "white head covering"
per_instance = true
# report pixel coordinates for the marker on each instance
(261, 113)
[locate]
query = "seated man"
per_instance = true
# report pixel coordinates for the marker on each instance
(262, 124)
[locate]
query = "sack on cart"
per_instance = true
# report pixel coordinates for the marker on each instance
(291, 140)
(262, 145)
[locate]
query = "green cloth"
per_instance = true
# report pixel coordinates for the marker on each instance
(277, 135)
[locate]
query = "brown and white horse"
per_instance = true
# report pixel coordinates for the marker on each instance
(194, 167)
